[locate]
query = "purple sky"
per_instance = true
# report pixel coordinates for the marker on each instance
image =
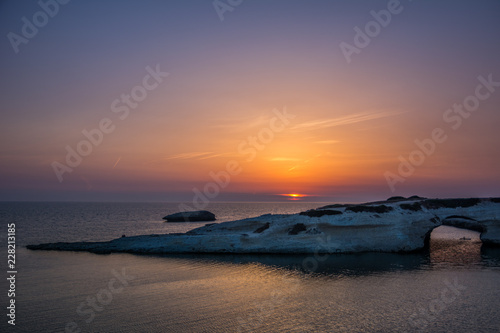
(357, 103)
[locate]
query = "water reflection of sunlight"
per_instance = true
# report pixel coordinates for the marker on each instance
(455, 245)
(334, 265)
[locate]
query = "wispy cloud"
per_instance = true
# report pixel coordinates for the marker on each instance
(116, 163)
(215, 155)
(345, 120)
(185, 156)
(304, 162)
(190, 156)
(243, 123)
(196, 156)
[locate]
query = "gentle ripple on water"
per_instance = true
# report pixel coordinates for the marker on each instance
(370, 292)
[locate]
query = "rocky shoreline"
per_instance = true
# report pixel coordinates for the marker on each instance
(395, 225)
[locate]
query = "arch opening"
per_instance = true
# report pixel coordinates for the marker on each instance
(454, 244)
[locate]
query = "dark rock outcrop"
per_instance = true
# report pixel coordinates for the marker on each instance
(261, 229)
(299, 227)
(450, 203)
(333, 206)
(370, 209)
(463, 222)
(415, 207)
(319, 212)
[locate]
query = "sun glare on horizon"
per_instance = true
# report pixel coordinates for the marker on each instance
(294, 196)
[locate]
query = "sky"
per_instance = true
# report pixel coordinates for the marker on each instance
(248, 100)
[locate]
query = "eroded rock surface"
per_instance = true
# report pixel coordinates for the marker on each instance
(397, 225)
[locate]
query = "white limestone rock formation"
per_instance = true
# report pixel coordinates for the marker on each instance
(396, 225)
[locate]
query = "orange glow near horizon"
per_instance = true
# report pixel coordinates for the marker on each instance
(294, 196)
(253, 119)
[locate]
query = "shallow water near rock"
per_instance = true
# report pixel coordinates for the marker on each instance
(453, 288)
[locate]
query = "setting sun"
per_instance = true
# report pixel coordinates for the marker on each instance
(294, 196)
(263, 166)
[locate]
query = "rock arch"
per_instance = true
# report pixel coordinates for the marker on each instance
(458, 221)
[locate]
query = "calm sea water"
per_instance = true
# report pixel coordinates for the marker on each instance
(454, 288)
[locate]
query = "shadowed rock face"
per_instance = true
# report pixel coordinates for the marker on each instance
(463, 222)
(400, 225)
(319, 213)
(491, 234)
(450, 203)
(299, 227)
(261, 229)
(413, 207)
(370, 209)
(333, 206)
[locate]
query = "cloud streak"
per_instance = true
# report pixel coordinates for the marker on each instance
(345, 120)
(196, 156)
(185, 156)
(116, 163)
(304, 162)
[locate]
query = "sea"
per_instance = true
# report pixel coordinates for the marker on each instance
(454, 286)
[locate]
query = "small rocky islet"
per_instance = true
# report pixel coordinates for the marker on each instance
(194, 216)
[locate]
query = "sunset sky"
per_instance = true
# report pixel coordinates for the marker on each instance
(267, 92)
